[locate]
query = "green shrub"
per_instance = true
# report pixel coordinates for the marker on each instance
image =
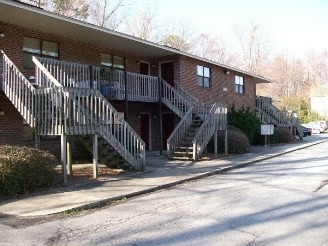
(237, 142)
(24, 170)
(245, 120)
(281, 135)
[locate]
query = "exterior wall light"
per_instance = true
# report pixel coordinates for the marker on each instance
(2, 35)
(226, 72)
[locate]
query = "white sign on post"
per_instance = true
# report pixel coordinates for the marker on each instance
(267, 129)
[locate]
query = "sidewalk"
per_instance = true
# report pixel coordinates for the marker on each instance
(160, 173)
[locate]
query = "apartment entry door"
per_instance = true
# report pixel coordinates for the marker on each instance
(167, 72)
(145, 129)
(167, 128)
(144, 68)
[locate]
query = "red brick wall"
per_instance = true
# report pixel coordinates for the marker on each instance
(88, 53)
(219, 81)
(136, 108)
(69, 50)
(13, 130)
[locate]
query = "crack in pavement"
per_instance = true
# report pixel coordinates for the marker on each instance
(323, 184)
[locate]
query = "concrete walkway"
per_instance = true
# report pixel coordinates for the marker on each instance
(160, 173)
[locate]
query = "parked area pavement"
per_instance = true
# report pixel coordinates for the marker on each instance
(160, 173)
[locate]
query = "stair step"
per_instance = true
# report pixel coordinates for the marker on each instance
(180, 158)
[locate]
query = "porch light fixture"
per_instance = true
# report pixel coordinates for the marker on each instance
(153, 65)
(2, 35)
(138, 62)
(2, 112)
(226, 72)
(154, 116)
(139, 116)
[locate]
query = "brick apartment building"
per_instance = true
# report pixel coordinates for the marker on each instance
(27, 31)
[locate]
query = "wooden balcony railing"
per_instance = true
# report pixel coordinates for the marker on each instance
(67, 74)
(116, 85)
(19, 90)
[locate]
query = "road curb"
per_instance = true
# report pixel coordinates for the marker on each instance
(108, 201)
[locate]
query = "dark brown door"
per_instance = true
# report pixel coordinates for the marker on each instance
(167, 72)
(144, 122)
(168, 127)
(144, 68)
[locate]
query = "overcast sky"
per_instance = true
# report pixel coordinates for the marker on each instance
(293, 26)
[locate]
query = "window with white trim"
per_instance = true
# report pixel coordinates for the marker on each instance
(110, 62)
(203, 76)
(40, 48)
(239, 85)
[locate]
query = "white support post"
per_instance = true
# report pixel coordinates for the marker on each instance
(69, 156)
(95, 156)
(194, 151)
(64, 157)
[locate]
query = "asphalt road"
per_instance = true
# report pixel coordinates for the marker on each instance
(280, 201)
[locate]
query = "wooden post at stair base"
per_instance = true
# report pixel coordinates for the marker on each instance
(64, 157)
(69, 155)
(226, 141)
(95, 156)
(216, 143)
(37, 141)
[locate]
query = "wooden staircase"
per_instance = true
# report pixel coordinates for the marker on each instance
(196, 128)
(184, 151)
(269, 114)
(54, 109)
(107, 155)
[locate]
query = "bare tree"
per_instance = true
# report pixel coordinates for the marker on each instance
(211, 48)
(253, 49)
(106, 13)
(77, 9)
(176, 42)
(142, 24)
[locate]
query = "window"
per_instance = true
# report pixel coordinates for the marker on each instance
(239, 85)
(203, 76)
(38, 47)
(110, 62)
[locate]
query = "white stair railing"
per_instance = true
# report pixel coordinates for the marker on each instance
(88, 112)
(179, 132)
(85, 111)
(19, 90)
(216, 119)
(270, 114)
(173, 100)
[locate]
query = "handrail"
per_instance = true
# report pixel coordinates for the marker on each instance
(82, 110)
(139, 87)
(50, 114)
(88, 112)
(173, 100)
(216, 119)
(179, 132)
(71, 74)
(185, 93)
(19, 90)
(271, 114)
(43, 77)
